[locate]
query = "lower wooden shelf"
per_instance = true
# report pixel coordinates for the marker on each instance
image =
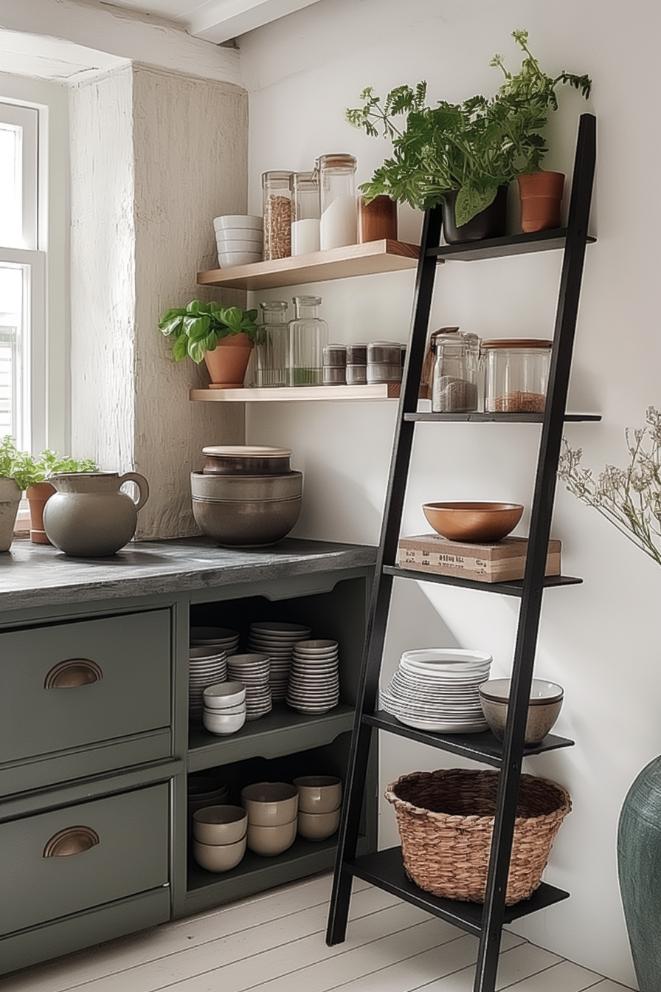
(288, 394)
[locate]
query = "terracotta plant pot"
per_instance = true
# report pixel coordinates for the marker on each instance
(228, 362)
(37, 496)
(10, 497)
(541, 199)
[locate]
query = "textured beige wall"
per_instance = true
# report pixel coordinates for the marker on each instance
(157, 155)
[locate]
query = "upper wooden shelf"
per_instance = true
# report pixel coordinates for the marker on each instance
(337, 263)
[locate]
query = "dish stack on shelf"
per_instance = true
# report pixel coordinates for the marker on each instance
(277, 640)
(224, 707)
(221, 638)
(205, 789)
(439, 690)
(239, 239)
(206, 666)
(314, 681)
(253, 671)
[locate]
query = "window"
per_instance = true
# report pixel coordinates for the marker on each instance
(22, 279)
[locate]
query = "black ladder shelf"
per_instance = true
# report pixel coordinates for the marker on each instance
(384, 869)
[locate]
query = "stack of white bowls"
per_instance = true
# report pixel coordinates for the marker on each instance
(439, 690)
(277, 640)
(314, 680)
(253, 671)
(224, 707)
(220, 638)
(206, 666)
(240, 239)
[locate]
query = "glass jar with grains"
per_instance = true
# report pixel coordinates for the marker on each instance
(454, 380)
(517, 373)
(277, 214)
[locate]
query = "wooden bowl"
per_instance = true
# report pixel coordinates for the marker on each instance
(473, 522)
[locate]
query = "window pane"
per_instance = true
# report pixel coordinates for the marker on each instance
(11, 193)
(13, 392)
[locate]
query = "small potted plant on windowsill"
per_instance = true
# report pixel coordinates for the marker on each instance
(221, 336)
(11, 486)
(34, 473)
(465, 155)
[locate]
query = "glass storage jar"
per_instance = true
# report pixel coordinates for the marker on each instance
(277, 214)
(337, 194)
(517, 373)
(308, 334)
(305, 213)
(455, 371)
(271, 344)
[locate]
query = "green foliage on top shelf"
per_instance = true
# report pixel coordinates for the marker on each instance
(471, 147)
(198, 327)
(27, 469)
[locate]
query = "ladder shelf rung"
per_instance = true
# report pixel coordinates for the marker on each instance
(386, 870)
(479, 747)
(502, 588)
(497, 418)
(511, 244)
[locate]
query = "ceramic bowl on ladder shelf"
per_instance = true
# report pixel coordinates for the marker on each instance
(473, 522)
(543, 709)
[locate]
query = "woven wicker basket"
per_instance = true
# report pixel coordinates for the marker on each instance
(446, 819)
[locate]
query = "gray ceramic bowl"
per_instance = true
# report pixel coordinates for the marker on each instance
(220, 824)
(543, 710)
(318, 826)
(270, 804)
(271, 841)
(247, 487)
(246, 511)
(318, 793)
(219, 857)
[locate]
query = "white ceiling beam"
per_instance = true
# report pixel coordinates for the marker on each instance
(221, 20)
(122, 33)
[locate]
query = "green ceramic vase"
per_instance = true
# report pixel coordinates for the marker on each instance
(639, 866)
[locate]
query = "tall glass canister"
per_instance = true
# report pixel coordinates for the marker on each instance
(305, 213)
(339, 207)
(308, 334)
(277, 214)
(271, 344)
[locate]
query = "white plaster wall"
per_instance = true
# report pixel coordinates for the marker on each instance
(601, 640)
(103, 270)
(190, 148)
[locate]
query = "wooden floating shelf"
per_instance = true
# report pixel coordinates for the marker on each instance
(285, 394)
(337, 263)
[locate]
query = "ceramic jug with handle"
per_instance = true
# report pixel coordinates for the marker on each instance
(89, 516)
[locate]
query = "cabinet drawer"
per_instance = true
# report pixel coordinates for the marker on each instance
(56, 863)
(73, 684)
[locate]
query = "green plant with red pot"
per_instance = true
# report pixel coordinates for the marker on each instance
(222, 337)
(465, 155)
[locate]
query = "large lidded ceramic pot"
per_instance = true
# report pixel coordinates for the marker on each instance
(89, 516)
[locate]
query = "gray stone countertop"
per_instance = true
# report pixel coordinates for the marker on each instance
(35, 575)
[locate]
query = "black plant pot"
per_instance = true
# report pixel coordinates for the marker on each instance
(489, 223)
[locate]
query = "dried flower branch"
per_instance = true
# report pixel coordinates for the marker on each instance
(629, 498)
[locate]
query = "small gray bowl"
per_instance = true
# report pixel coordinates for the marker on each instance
(543, 709)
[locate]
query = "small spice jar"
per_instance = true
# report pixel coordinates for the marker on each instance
(384, 362)
(517, 373)
(277, 214)
(377, 219)
(454, 379)
(305, 213)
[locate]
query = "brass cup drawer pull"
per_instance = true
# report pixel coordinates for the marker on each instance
(73, 673)
(72, 840)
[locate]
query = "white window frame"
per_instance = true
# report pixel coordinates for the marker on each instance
(29, 255)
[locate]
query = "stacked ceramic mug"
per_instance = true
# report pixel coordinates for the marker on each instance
(314, 680)
(253, 671)
(277, 640)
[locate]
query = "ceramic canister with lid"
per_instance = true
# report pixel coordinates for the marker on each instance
(454, 381)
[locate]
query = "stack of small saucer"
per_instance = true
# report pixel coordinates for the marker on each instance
(253, 671)
(206, 666)
(314, 681)
(277, 640)
(221, 638)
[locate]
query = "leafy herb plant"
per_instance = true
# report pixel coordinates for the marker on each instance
(471, 147)
(28, 470)
(198, 327)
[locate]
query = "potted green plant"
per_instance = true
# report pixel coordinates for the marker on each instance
(34, 473)
(463, 155)
(221, 336)
(11, 486)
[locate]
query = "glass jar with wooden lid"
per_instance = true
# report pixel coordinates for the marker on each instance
(337, 194)
(517, 373)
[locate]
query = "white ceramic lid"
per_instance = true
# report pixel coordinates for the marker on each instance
(246, 451)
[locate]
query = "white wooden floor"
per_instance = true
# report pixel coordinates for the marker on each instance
(275, 943)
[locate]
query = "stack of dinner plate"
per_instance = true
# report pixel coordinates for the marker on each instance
(253, 671)
(206, 666)
(277, 640)
(314, 680)
(220, 638)
(438, 690)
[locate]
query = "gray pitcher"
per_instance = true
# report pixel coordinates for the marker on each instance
(89, 516)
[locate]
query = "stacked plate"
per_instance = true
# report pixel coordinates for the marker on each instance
(277, 640)
(239, 239)
(253, 671)
(220, 638)
(205, 789)
(206, 666)
(438, 690)
(314, 680)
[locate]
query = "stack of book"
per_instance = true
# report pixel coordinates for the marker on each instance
(504, 561)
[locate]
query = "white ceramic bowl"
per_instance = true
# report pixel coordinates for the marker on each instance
(318, 826)
(224, 695)
(244, 244)
(318, 793)
(271, 841)
(220, 824)
(218, 722)
(229, 259)
(219, 857)
(231, 234)
(270, 804)
(239, 221)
